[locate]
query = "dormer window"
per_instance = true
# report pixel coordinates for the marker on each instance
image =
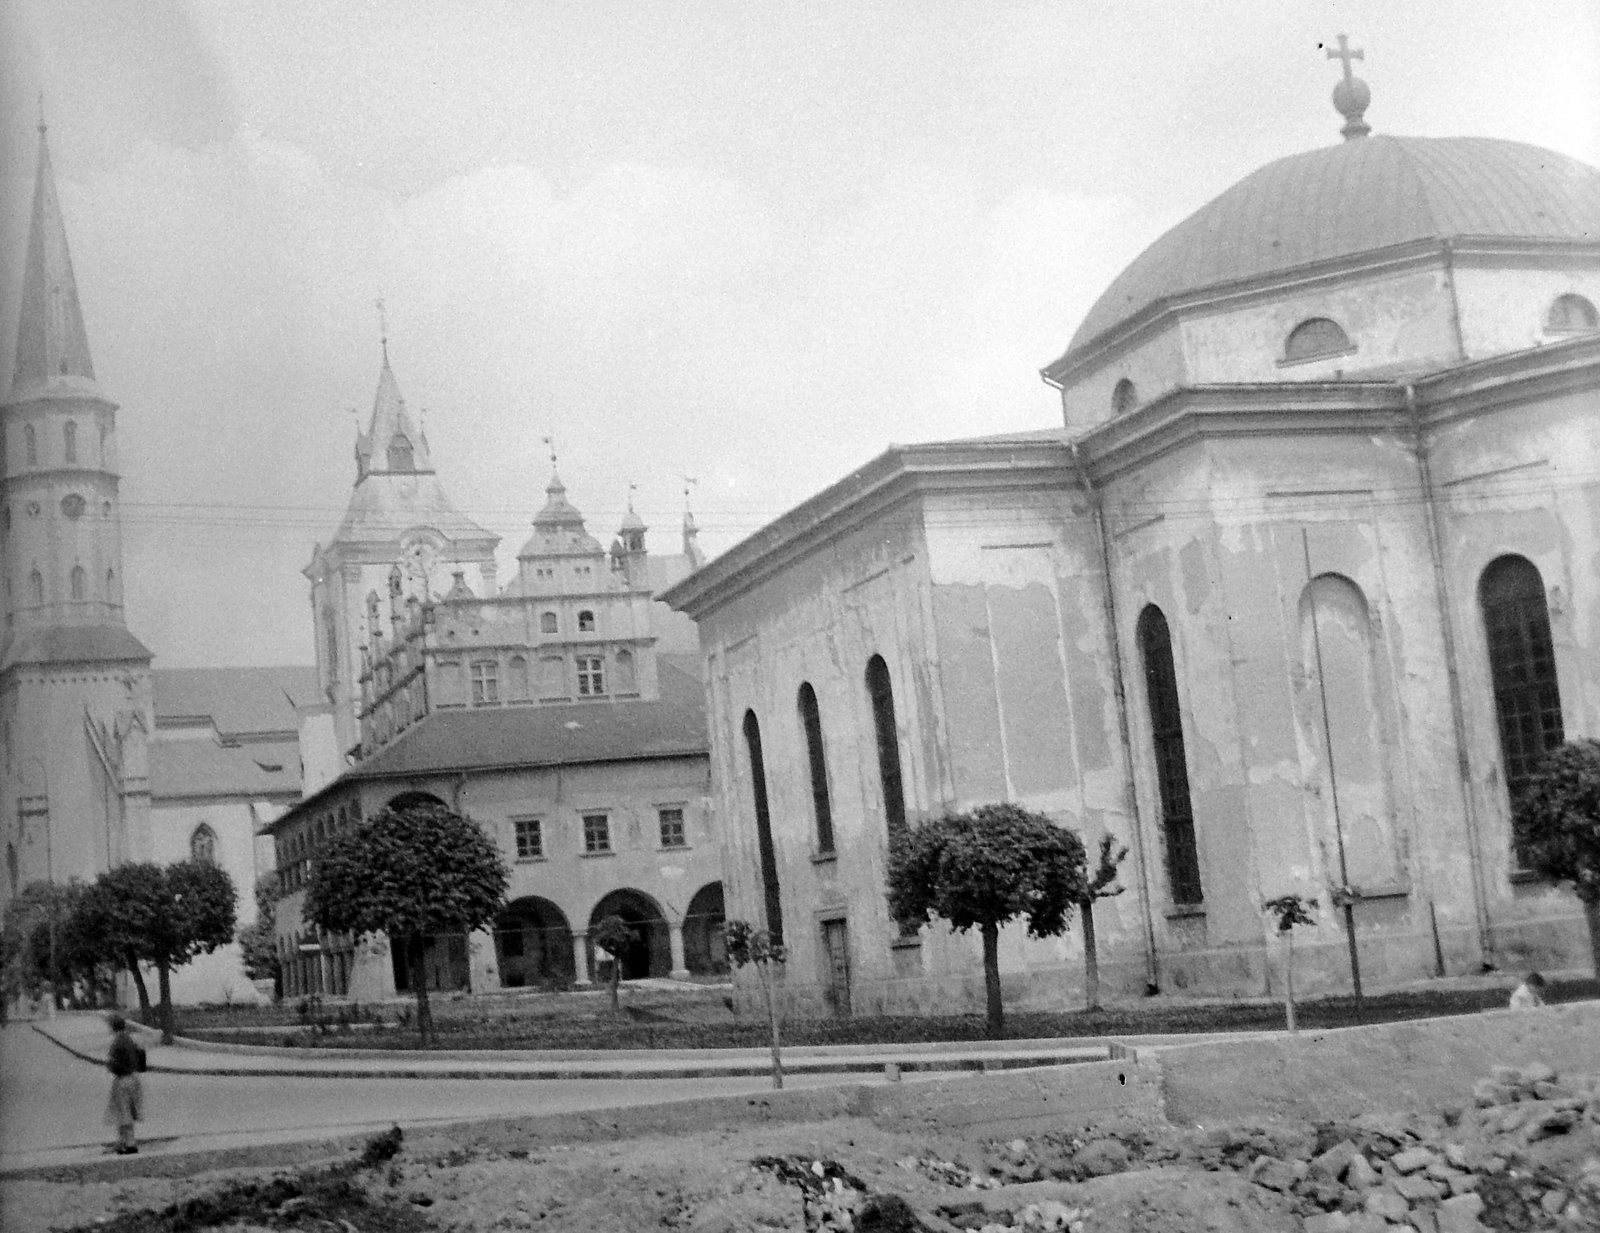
(586, 622)
(1316, 339)
(400, 457)
(1572, 314)
(1124, 397)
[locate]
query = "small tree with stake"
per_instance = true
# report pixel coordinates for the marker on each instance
(982, 869)
(409, 871)
(1102, 884)
(1289, 911)
(1556, 826)
(614, 935)
(755, 947)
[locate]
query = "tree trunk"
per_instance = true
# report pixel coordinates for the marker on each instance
(1591, 913)
(616, 981)
(132, 961)
(991, 978)
(1091, 960)
(164, 976)
(419, 983)
(764, 970)
(1288, 984)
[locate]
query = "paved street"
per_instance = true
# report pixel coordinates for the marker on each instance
(51, 1103)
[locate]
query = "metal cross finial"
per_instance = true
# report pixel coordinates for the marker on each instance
(1345, 54)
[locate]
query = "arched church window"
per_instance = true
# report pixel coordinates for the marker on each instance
(76, 581)
(1124, 397)
(1172, 768)
(400, 457)
(769, 857)
(881, 691)
(627, 680)
(548, 623)
(36, 586)
(1315, 339)
(69, 440)
(517, 682)
(203, 845)
(30, 444)
(817, 761)
(586, 622)
(111, 586)
(1522, 665)
(1572, 314)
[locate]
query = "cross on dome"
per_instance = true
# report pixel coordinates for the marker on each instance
(1351, 96)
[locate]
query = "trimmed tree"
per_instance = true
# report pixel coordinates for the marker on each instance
(1102, 884)
(1287, 912)
(258, 944)
(409, 872)
(1556, 826)
(125, 902)
(983, 868)
(614, 935)
(754, 947)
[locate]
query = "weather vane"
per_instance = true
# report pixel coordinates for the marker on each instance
(551, 442)
(383, 325)
(689, 481)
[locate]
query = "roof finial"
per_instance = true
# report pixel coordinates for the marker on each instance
(551, 442)
(1351, 96)
(383, 326)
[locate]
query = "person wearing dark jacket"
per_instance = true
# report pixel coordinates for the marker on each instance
(127, 1096)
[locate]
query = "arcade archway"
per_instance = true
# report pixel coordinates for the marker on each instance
(651, 954)
(533, 944)
(705, 953)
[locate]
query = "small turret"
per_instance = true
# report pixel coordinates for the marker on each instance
(691, 542)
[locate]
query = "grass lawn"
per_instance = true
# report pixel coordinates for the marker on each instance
(658, 1022)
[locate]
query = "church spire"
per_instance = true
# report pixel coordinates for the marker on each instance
(393, 442)
(51, 340)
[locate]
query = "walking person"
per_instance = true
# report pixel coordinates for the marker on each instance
(124, 1060)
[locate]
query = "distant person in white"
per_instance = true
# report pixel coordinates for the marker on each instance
(1529, 993)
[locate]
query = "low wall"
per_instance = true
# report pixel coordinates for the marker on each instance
(1425, 1064)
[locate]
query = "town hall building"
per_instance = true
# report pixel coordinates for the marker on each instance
(1292, 602)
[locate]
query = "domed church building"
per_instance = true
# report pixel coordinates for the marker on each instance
(1292, 603)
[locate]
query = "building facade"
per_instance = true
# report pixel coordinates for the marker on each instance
(1291, 603)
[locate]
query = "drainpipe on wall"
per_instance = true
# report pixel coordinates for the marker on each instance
(1480, 898)
(1152, 975)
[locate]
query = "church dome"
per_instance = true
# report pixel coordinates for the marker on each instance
(1362, 196)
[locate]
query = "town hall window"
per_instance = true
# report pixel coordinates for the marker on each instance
(400, 458)
(1315, 339)
(530, 839)
(1572, 314)
(76, 581)
(30, 444)
(548, 623)
(591, 675)
(1172, 771)
(671, 823)
(881, 691)
(36, 586)
(586, 622)
(1124, 397)
(485, 682)
(69, 438)
(1522, 665)
(769, 856)
(596, 833)
(203, 845)
(817, 763)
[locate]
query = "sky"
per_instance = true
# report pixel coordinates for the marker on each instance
(752, 244)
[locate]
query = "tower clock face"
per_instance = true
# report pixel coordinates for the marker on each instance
(419, 558)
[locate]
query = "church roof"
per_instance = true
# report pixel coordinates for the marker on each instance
(74, 644)
(237, 701)
(1362, 196)
(189, 769)
(52, 342)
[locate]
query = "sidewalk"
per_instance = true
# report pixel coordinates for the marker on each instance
(84, 1035)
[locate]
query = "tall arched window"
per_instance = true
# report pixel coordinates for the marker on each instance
(1124, 397)
(816, 757)
(1314, 339)
(111, 586)
(400, 458)
(203, 845)
(1172, 767)
(881, 691)
(769, 855)
(548, 623)
(69, 440)
(30, 444)
(1522, 665)
(625, 679)
(1572, 314)
(518, 678)
(76, 582)
(36, 586)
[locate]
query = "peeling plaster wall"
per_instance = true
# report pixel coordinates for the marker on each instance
(1504, 310)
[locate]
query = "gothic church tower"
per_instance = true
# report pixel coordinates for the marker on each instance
(75, 696)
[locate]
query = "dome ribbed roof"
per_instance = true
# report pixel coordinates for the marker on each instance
(1359, 196)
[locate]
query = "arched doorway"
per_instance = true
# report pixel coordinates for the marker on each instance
(651, 954)
(533, 944)
(704, 950)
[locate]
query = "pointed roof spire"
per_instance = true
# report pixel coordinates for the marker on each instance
(52, 342)
(393, 442)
